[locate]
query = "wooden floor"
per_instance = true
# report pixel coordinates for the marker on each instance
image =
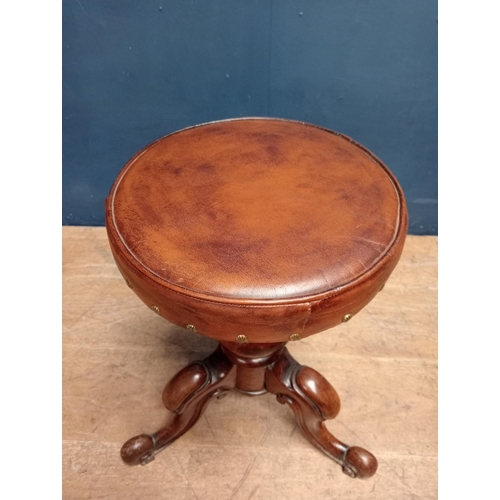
(118, 355)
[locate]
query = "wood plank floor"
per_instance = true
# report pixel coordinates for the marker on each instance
(118, 355)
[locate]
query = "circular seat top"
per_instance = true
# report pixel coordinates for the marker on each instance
(256, 209)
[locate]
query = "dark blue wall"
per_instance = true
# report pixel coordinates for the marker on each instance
(134, 71)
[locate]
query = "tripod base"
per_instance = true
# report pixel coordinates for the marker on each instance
(252, 369)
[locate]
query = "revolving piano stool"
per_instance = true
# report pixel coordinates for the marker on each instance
(255, 232)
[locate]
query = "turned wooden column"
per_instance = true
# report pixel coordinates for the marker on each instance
(252, 361)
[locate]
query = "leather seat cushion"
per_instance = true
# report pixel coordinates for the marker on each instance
(256, 209)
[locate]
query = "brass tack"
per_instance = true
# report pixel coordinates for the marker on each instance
(192, 328)
(294, 336)
(346, 318)
(128, 283)
(156, 309)
(241, 338)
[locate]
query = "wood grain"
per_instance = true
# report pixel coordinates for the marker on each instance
(117, 355)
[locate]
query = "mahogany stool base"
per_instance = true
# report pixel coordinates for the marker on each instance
(252, 369)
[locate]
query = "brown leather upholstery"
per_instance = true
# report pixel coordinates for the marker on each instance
(261, 227)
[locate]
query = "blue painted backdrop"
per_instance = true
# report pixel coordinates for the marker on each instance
(134, 71)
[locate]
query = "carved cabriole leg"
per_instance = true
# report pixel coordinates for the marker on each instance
(314, 400)
(187, 395)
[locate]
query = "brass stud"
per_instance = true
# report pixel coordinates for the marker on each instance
(294, 336)
(156, 309)
(382, 287)
(241, 338)
(346, 318)
(128, 283)
(192, 328)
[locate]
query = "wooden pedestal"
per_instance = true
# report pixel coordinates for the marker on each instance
(252, 369)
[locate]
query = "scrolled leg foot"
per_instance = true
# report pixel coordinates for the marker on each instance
(187, 395)
(313, 400)
(138, 450)
(359, 462)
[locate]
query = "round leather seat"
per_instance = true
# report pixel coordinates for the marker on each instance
(256, 227)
